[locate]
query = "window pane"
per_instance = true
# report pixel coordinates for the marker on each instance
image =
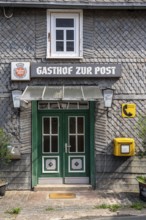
(54, 143)
(70, 46)
(64, 22)
(80, 143)
(80, 125)
(83, 105)
(72, 140)
(46, 125)
(70, 35)
(54, 125)
(72, 125)
(59, 46)
(47, 144)
(54, 105)
(73, 105)
(43, 105)
(59, 35)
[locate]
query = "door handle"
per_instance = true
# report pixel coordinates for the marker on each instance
(67, 147)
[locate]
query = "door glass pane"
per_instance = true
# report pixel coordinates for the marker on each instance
(54, 143)
(80, 125)
(59, 34)
(72, 125)
(83, 105)
(70, 46)
(59, 46)
(54, 125)
(64, 22)
(70, 35)
(46, 144)
(72, 142)
(80, 143)
(46, 125)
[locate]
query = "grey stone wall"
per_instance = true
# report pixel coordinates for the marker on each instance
(117, 173)
(17, 40)
(109, 37)
(17, 173)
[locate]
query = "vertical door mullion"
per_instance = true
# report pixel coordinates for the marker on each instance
(50, 134)
(76, 134)
(84, 133)
(42, 150)
(65, 128)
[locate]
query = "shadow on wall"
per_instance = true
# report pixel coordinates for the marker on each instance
(9, 119)
(17, 173)
(118, 172)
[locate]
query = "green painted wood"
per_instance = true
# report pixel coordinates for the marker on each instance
(92, 141)
(34, 143)
(86, 153)
(49, 114)
(63, 138)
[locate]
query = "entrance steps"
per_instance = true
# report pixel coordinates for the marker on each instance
(63, 187)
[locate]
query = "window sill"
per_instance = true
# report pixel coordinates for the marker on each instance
(61, 57)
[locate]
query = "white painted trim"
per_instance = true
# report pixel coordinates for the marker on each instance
(77, 180)
(78, 15)
(50, 152)
(77, 134)
(50, 180)
(49, 157)
(76, 171)
(59, 180)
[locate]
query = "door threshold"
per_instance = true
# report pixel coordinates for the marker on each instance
(62, 187)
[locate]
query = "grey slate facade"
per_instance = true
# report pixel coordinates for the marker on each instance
(109, 36)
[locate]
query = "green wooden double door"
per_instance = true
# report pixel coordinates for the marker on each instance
(63, 147)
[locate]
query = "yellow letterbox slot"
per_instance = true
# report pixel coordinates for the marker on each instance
(124, 147)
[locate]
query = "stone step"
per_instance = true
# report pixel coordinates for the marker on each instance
(62, 187)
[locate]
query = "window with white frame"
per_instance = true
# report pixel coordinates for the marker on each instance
(65, 30)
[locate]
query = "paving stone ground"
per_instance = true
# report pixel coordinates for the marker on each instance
(38, 205)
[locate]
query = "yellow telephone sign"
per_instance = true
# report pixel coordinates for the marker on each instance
(128, 110)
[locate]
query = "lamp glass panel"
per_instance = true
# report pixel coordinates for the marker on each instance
(108, 96)
(16, 95)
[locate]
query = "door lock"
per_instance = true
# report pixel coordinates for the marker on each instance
(67, 148)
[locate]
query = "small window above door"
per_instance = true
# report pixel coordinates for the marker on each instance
(64, 30)
(44, 105)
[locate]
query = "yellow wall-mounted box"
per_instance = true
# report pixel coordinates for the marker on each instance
(124, 147)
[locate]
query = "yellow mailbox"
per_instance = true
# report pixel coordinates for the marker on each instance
(124, 147)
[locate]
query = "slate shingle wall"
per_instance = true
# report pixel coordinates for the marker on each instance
(73, 2)
(109, 37)
(17, 35)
